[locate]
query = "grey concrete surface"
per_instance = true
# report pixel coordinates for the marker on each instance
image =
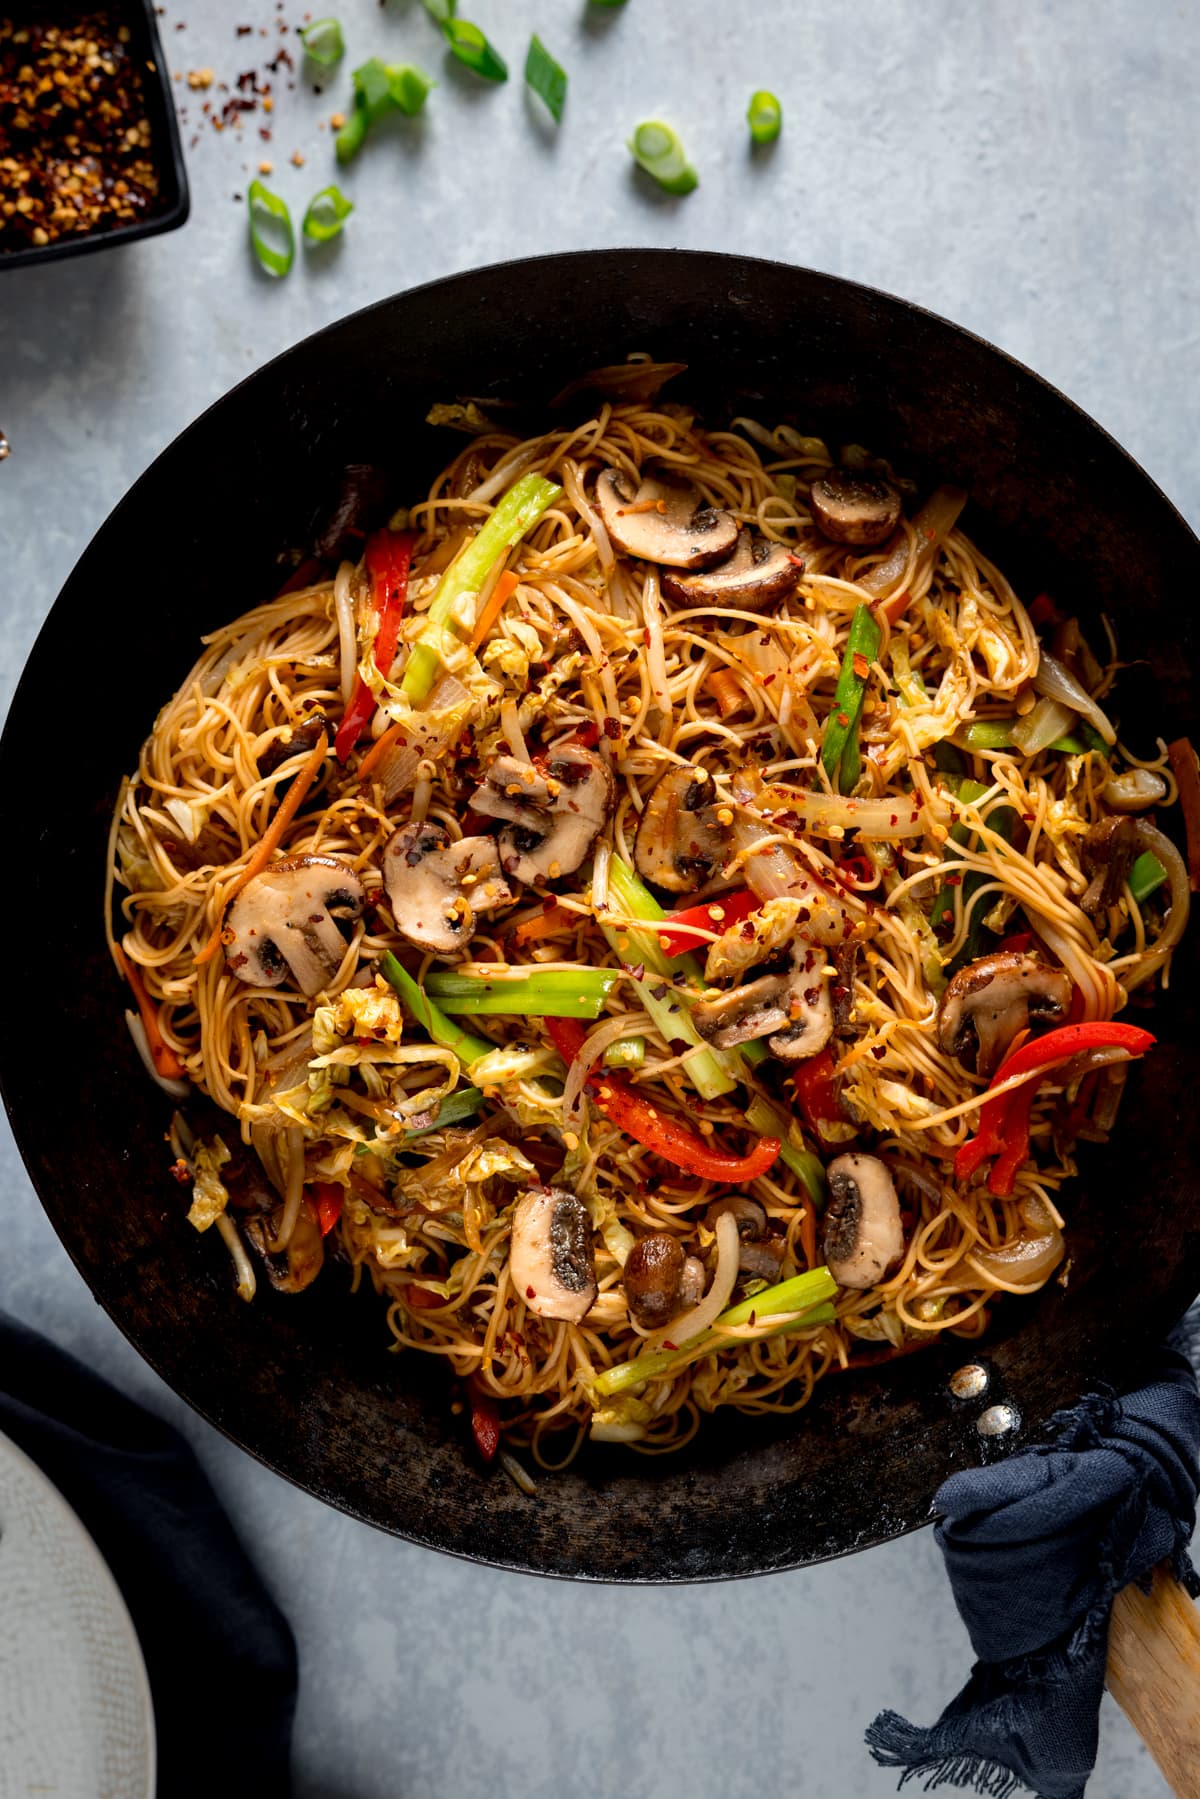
(1027, 168)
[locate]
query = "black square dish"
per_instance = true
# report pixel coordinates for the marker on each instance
(123, 209)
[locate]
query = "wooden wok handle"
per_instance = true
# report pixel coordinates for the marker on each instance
(1154, 1676)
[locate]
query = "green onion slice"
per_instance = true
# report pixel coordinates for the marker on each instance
(551, 993)
(764, 117)
(327, 213)
(839, 744)
(473, 50)
(547, 78)
(323, 42)
(440, 11)
(1146, 876)
(657, 149)
(460, 1104)
(409, 87)
(349, 139)
(373, 89)
(431, 1018)
(267, 211)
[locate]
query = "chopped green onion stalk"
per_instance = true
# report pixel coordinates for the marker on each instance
(1146, 876)
(765, 117)
(472, 49)
(409, 87)
(769, 1121)
(440, 1029)
(657, 149)
(327, 213)
(552, 993)
(517, 513)
(547, 78)
(990, 734)
(440, 11)
(626, 1052)
(323, 42)
(373, 89)
(267, 211)
(349, 140)
(461, 1104)
(839, 744)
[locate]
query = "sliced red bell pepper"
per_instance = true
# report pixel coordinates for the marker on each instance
(388, 557)
(733, 907)
(640, 1119)
(485, 1422)
(814, 1084)
(325, 1201)
(1019, 944)
(1004, 1121)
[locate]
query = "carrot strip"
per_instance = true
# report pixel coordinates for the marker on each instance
(896, 607)
(165, 1058)
(379, 749)
(502, 592)
(726, 689)
(289, 806)
(544, 925)
(808, 1232)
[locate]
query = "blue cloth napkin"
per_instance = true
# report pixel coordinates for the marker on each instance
(1036, 1548)
(218, 1651)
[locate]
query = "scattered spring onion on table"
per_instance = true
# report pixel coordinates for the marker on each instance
(271, 233)
(471, 48)
(546, 77)
(379, 89)
(327, 213)
(516, 514)
(764, 117)
(548, 993)
(323, 42)
(840, 753)
(657, 149)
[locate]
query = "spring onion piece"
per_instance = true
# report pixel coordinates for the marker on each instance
(471, 48)
(764, 117)
(517, 513)
(441, 1030)
(839, 745)
(547, 78)
(550, 993)
(989, 734)
(327, 213)
(1056, 682)
(373, 90)
(767, 1119)
(380, 88)
(323, 42)
(1146, 876)
(440, 11)
(630, 1052)
(806, 1294)
(409, 87)
(349, 140)
(1048, 721)
(268, 210)
(462, 1104)
(657, 149)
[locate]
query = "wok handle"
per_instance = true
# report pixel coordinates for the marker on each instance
(1154, 1676)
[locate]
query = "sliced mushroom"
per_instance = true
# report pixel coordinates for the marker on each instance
(284, 919)
(793, 1010)
(554, 813)
(993, 998)
(758, 1254)
(854, 508)
(757, 575)
(1107, 855)
(436, 887)
(296, 1267)
(652, 1278)
(295, 740)
(864, 1238)
(664, 519)
(680, 840)
(550, 1258)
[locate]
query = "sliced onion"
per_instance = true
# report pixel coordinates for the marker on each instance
(1028, 1262)
(594, 1046)
(886, 820)
(247, 1285)
(430, 731)
(681, 1330)
(343, 600)
(137, 1030)
(1152, 839)
(1057, 682)
(1049, 720)
(931, 526)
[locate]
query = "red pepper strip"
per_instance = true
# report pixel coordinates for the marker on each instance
(813, 1084)
(485, 1422)
(421, 1299)
(734, 907)
(1003, 1126)
(1019, 944)
(643, 1121)
(388, 557)
(328, 1197)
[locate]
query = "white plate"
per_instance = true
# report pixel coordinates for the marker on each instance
(75, 1714)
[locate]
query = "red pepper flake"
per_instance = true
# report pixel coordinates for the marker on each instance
(842, 720)
(612, 727)
(530, 1293)
(893, 819)
(954, 880)
(180, 1171)
(862, 667)
(667, 1344)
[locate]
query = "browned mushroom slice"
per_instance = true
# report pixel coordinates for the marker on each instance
(1107, 855)
(294, 740)
(792, 1009)
(664, 519)
(296, 1267)
(854, 508)
(680, 840)
(437, 887)
(991, 999)
(755, 576)
(550, 1258)
(285, 920)
(653, 1278)
(864, 1238)
(758, 1254)
(554, 813)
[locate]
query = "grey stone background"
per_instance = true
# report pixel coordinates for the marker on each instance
(1027, 168)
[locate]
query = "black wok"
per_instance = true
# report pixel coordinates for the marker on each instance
(307, 1384)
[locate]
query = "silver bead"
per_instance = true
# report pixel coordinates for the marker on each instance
(997, 1421)
(970, 1381)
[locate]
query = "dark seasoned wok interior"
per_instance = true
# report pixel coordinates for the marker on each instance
(304, 1382)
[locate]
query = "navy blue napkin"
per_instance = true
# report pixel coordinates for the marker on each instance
(219, 1653)
(1036, 1548)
